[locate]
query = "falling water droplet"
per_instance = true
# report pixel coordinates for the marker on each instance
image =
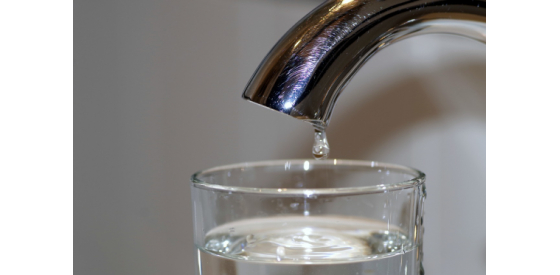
(320, 145)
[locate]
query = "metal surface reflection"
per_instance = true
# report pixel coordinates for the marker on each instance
(305, 71)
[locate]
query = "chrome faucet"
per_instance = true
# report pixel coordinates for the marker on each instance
(304, 73)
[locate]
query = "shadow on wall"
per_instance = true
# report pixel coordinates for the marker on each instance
(368, 125)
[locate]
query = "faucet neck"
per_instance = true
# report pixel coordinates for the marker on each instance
(305, 72)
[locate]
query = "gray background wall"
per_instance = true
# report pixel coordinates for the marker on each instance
(158, 96)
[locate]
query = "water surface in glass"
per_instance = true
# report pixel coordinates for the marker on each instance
(308, 217)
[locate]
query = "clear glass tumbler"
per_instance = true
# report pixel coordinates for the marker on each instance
(308, 217)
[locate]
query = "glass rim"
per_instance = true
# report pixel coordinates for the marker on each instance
(419, 179)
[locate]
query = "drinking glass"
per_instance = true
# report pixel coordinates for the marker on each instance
(308, 217)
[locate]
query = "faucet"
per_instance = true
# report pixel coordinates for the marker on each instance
(306, 70)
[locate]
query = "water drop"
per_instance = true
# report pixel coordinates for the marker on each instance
(320, 145)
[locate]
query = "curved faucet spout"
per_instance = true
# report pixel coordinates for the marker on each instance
(306, 70)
